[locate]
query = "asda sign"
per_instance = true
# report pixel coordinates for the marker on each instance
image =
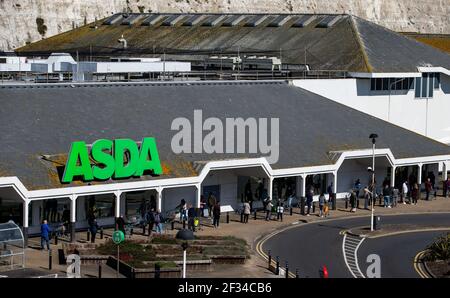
(118, 159)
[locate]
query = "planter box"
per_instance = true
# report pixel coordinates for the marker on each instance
(131, 272)
(224, 259)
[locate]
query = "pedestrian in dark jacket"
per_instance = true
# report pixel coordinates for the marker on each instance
(216, 214)
(353, 201)
(309, 201)
(150, 218)
(93, 228)
(192, 214)
(428, 188)
(120, 224)
(45, 235)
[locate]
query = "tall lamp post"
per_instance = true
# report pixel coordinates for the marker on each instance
(373, 136)
(185, 235)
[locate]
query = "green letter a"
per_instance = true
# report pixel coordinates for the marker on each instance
(78, 151)
(148, 158)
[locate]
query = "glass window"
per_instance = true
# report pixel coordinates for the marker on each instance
(437, 80)
(398, 84)
(372, 84)
(102, 205)
(418, 86)
(424, 92)
(378, 84)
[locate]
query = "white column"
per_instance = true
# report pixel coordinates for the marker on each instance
(73, 208)
(25, 213)
(445, 170)
(270, 188)
(198, 194)
(335, 182)
(159, 198)
(117, 194)
(393, 175)
(419, 174)
(303, 188)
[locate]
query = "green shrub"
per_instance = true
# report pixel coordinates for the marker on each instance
(439, 249)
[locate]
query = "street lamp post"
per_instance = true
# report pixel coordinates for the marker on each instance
(373, 136)
(184, 235)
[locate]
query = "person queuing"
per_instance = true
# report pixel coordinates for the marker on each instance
(93, 225)
(269, 207)
(404, 192)
(150, 218)
(367, 198)
(247, 211)
(415, 194)
(322, 201)
(280, 210)
(447, 187)
(428, 188)
(192, 215)
(352, 201)
(158, 221)
(216, 214)
(309, 200)
(386, 196)
(211, 203)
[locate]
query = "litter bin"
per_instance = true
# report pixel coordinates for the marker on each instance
(376, 222)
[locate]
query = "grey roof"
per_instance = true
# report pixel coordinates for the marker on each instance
(331, 42)
(45, 119)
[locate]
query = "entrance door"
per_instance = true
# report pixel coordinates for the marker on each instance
(213, 189)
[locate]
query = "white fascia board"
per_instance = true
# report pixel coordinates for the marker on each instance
(372, 75)
(434, 69)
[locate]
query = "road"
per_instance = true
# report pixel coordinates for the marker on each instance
(307, 247)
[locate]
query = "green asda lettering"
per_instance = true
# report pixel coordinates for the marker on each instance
(109, 160)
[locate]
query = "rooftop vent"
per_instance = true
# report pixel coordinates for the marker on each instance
(304, 21)
(173, 20)
(194, 20)
(279, 21)
(234, 20)
(132, 19)
(328, 21)
(256, 20)
(153, 19)
(213, 20)
(113, 19)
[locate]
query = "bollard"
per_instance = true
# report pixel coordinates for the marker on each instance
(56, 239)
(242, 216)
(131, 232)
(184, 224)
(228, 217)
(290, 212)
(101, 232)
(157, 271)
(88, 235)
(346, 202)
(172, 225)
(270, 258)
(100, 270)
(277, 269)
(379, 201)
(357, 203)
(49, 259)
(314, 207)
(287, 270)
(143, 230)
(254, 215)
(296, 273)
(302, 205)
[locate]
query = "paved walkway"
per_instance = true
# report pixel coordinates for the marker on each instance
(251, 232)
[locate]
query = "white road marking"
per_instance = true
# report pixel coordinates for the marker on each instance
(350, 246)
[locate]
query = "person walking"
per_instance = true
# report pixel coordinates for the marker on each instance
(415, 194)
(357, 187)
(247, 211)
(280, 210)
(428, 188)
(405, 191)
(216, 214)
(120, 224)
(394, 196)
(321, 204)
(269, 207)
(45, 235)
